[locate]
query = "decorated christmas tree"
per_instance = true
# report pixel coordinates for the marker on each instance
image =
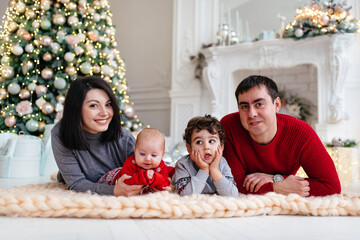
(44, 46)
(322, 17)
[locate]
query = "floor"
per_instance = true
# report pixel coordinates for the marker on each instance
(259, 227)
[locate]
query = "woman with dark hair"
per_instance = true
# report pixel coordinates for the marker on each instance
(89, 140)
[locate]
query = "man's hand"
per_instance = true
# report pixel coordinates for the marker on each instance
(253, 182)
(293, 184)
(122, 189)
(196, 157)
(150, 173)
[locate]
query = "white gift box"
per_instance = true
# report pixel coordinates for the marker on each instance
(20, 156)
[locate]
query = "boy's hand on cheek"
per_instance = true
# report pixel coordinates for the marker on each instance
(214, 165)
(199, 162)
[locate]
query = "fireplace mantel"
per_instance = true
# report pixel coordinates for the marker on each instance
(328, 54)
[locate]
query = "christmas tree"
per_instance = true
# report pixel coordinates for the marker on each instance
(44, 46)
(322, 17)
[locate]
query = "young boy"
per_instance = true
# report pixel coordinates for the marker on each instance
(204, 170)
(146, 167)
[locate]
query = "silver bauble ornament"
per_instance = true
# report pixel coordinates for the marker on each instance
(47, 73)
(107, 70)
(32, 125)
(93, 53)
(29, 48)
(85, 68)
(47, 108)
(13, 88)
(3, 94)
(45, 24)
(24, 94)
(78, 50)
(45, 5)
(299, 32)
(31, 86)
(17, 50)
(59, 83)
(55, 47)
(96, 17)
(168, 160)
(129, 111)
(324, 20)
(7, 72)
(135, 126)
(69, 56)
(5, 59)
(10, 121)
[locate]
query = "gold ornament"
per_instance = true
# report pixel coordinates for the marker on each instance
(7, 72)
(12, 26)
(42, 126)
(129, 111)
(60, 98)
(96, 68)
(47, 73)
(27, 66)
(46, 40)
(30, 14)
(72, 6)
(47, 108)
(47, 57)
(26, 36)
(70, 70)
(58, 19)
(24, 94)
(3, 93)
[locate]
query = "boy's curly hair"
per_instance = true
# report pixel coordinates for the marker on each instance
(207, 122)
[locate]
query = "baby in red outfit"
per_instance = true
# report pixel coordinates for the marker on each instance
(146, 167)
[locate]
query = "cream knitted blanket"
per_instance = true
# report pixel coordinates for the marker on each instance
(53, 200)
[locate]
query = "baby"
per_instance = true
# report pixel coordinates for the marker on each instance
(146, 167)
(204, 170)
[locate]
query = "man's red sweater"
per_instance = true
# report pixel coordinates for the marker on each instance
(295, 144)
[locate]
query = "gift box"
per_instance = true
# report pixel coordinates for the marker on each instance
(20, 156)
(346, 161)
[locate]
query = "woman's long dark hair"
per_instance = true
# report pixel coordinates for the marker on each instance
(71, 131)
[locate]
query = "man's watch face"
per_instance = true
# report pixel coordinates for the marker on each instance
(278, 178)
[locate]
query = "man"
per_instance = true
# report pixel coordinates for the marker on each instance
(265, 149)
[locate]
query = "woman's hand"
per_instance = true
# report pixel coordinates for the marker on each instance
(123, 189)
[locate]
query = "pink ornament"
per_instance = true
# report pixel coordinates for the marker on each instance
(23, 108)
(93, 36)
(72, 39)
(40, 89)
(10, 121)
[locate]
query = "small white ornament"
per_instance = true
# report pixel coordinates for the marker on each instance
(13, 88)
(69, 56)
(299, 33)
(29, 48)
(17, 50)
(31, 86)
(59, 83)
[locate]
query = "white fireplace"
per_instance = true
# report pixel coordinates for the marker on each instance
(313, 68)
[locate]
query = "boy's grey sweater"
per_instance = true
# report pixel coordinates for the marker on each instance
(189, 179)
(80, 169)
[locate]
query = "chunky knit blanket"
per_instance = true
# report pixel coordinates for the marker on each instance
(53, 200)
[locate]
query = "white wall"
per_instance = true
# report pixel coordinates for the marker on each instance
(144, 37)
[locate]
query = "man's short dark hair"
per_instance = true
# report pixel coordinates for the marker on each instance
(257, 80)
(208, 122)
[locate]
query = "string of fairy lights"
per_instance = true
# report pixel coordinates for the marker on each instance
(44, 46)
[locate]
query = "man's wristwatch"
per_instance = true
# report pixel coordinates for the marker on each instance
(278, 178)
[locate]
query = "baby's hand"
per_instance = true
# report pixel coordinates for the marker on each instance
(168, 188)
(150, 173)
